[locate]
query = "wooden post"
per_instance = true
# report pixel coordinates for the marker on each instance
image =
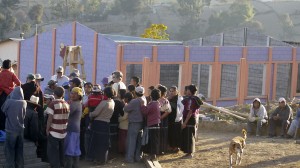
(186, 74)
(274, 82)
(155, 68)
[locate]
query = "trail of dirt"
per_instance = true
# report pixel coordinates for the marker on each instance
(212, 151)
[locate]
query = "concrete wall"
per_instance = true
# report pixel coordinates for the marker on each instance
(9, 50)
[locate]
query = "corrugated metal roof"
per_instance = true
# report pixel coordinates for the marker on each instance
(138, 40)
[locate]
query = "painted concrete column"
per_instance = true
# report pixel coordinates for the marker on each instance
(36, 41)
(95, 55)
(269, 78)
(294, 74)
(186, 74)
(19, 58)
(155, 68)
(216, 77)
(242, 81)
(53, 51)
(146, 74)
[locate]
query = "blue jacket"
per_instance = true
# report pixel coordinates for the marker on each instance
(14, 109)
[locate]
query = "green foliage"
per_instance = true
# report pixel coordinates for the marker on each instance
(287, 26)
(91, 7)
(156, 31)
(25, 28)
(241, 14)
(130, 7)
(36, 13)
(9, 3)
(190, 8)
(65, 9)
(189, 30)
(133, 28)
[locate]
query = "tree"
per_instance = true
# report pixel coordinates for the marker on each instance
(287, 27)
(9, 3)
(190, 8)
(130, 7)
(25, 28)
(36, 13)
(65, 8)
(189, 30)
(156, 31)
(241, 14)
(91, 6)
(133, 28)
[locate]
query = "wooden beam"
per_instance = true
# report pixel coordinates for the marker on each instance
(294, 77)
(36, 39)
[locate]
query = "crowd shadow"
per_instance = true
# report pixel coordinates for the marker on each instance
(275, 162)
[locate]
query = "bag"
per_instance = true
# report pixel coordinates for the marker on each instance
(2, 136)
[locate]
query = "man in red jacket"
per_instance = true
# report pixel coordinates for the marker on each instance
(8, 81)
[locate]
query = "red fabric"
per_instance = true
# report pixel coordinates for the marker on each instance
(8, 80)
(122, 141)
(95, 99)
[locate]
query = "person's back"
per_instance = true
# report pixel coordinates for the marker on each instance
(8, 79)
(14, 109)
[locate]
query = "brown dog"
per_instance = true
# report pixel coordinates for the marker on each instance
(237, 146)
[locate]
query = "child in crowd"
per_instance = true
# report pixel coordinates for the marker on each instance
(123, 125)
(58, 113)
(72, 140)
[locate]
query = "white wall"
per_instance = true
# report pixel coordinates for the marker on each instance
(9, 50)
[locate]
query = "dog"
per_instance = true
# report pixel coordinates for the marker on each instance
(236, 147)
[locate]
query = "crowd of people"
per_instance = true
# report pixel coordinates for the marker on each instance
(71, 119)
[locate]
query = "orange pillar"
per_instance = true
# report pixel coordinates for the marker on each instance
(216, 77)
(268, 73)
(74, 33)
(19, 59)
(274, 82)
(186, 74)
(294, 73)
(246, 72)
(53, 51)
(120, 62)
(94, 78)
(36, 39)
(155, 68)
(242, 82)
(145, 74)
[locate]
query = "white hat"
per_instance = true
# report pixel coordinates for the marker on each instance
(96, 88)
(34, 100)
(60, 69)
(39, 77)
(281, 99)
(140, 90)
(48, 96)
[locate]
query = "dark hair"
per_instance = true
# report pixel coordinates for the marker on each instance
(128, 96)
(174, 87)
(136, 79)
(88, 83)
(139, 94)
(77, 82)
(6, 64)
(151, 87)
(162, 89)
(59, 91)
(155, 94)
(108, 91)
(110, 83)
(193, 89)
(118, 74)
(186, 88)
(122, 93)
(131, 88)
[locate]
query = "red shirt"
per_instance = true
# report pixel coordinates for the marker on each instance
(95, 99)
(8, 80)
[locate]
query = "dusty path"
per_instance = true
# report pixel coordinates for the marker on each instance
(212, 151)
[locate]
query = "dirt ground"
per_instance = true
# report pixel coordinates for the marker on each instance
(212, 151)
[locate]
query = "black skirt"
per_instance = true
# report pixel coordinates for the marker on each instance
(153, 145)
(164, 135)
(188, 136)
(99, 141)
(174, 134)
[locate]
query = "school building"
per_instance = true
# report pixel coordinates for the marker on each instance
(229, 68)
